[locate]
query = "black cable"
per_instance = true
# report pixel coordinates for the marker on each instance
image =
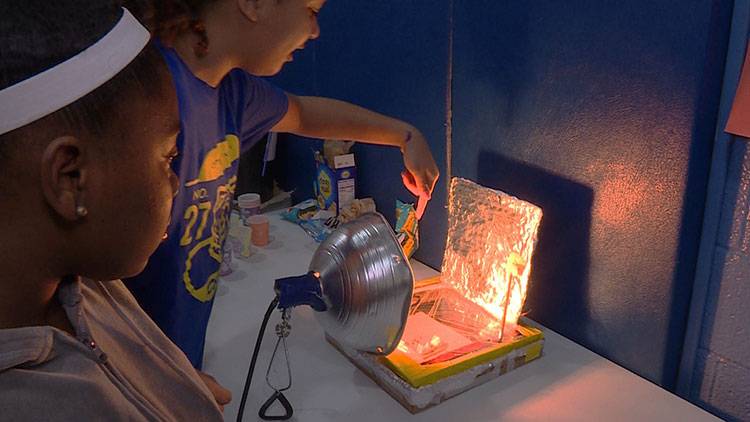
(263, 325)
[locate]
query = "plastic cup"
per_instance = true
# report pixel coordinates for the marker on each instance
(249, 206)
(258, 230)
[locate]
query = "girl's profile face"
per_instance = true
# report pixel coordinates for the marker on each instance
(288, 24)
(133, 187)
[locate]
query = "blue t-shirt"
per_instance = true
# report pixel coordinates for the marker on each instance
(217, 124)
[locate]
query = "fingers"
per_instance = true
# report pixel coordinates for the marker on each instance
(423, 194)
(430, 180)
(221, 394)
(420, 166)
(410, 183)
(434, 181)
(417, 186)
(421, 206)
(427, 189)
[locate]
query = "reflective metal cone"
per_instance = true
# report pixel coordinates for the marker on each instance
(367, 285)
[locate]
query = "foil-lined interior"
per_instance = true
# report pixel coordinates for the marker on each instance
(484, 279)
(491, 239)
(443, 325)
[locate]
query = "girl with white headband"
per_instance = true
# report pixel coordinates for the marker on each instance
(88, 121)
(215, 50)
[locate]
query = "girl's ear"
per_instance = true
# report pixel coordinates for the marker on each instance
(64, 177)
(250, 8)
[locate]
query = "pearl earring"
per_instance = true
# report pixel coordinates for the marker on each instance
(81, 211)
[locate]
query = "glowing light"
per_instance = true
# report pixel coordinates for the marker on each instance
(425, 338)
(491, 238)
(485, 275)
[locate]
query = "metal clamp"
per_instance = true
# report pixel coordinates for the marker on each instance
(283, 329)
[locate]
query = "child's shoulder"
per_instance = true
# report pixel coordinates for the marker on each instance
(111, 297)
(24, 346)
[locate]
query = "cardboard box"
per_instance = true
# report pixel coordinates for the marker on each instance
(335, 187)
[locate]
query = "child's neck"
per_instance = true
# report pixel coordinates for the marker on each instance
(210, 68)
(27, 303)
(28, 297)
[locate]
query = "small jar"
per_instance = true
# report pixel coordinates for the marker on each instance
(249, 206)
(258, 230)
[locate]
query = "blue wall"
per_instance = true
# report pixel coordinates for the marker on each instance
(602, 112)
(721, 382)
(715, 369)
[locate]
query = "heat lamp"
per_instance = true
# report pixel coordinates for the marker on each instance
(359, 282)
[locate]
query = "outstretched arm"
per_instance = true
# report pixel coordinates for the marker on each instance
(327, 118)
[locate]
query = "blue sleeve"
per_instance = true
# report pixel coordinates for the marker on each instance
(263, 105)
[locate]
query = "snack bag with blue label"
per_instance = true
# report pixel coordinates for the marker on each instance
(407, 228)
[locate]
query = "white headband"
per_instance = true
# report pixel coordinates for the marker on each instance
(61, 85)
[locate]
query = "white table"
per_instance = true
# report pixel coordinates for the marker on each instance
(568, 383)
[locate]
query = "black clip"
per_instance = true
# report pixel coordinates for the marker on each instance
(277, 395)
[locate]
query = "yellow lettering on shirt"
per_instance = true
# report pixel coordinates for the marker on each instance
(212, 244)
(199, 194)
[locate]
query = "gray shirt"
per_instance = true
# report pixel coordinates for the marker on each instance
(120, 366)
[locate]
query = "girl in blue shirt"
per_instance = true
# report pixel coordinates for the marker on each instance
(216, 51)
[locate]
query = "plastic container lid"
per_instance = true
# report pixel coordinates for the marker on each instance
(248, 200)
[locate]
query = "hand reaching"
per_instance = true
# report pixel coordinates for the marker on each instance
(421, 173)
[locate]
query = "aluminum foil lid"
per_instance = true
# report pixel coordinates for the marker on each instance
(491, 239)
